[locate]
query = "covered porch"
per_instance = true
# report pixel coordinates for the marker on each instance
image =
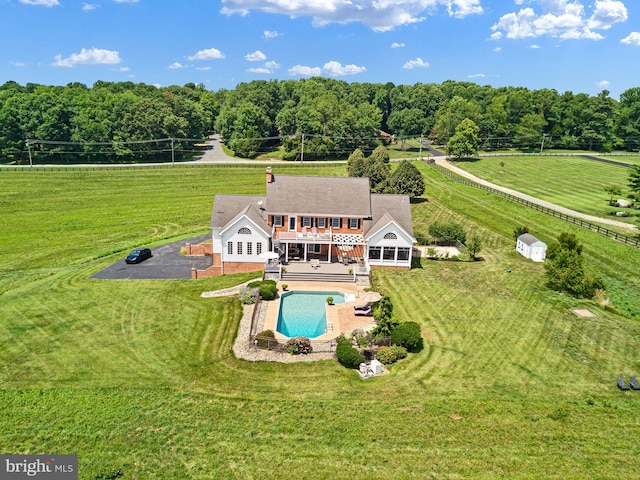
(295, 247)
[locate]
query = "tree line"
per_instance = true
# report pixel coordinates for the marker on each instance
(315, 118)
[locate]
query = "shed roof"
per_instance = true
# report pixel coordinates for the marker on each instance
(529, 239)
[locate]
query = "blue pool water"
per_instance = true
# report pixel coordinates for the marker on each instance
(303, 314)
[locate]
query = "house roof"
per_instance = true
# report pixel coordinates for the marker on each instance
(528, 239)
(227, 209)
(330, 196)
(386, 208)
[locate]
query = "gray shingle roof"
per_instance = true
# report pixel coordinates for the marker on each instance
(384, 207)
(228, 208)
(330, 196)
(528, 239)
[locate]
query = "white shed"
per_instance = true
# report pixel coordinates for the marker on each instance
(530, 247)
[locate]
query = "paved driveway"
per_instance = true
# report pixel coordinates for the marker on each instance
(166, 263)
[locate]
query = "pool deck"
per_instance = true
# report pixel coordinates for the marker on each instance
(340, 317)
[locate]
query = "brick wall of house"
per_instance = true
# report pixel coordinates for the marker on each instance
(242, 267)
(201, 249)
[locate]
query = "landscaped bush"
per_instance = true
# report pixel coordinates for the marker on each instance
(392, 354)
(348, 355)
(268, 291)
(247, 296)
(408, 335)
(266, 339)
(298, 345)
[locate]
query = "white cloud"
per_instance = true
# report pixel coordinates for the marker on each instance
(269, 34)
(336, 69)
(92, 56)
(379, 15)
(534, 46)
(331, 68)
(603, 84)
(564, 19)
(203, 69)
(18, 64)
(606, 13)
(268, 68)
(632, 39)
(126, 1)
(207, 54)
(123, 69)
(42, 3)
(175, 66)
(417, 63)
(397, 45)
(497, 49)
(305, 71)
(88, 7)
(256, 56)
(476, 75)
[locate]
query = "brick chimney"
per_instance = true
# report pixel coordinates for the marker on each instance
(269, 175)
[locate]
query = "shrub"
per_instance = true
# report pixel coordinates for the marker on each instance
(330, 300)
(348, 355)
(408, 335)
(266, 339)
(268, 291)
(247, 296)
(389, 355)
(298, 345)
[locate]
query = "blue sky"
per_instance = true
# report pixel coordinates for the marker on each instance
(576, 45)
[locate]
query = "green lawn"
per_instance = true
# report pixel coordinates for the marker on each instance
(573, 182)
(137, 377)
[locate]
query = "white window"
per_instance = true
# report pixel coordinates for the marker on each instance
(336, 222)
(249, 248)
(390, 236)
(321, 222)
(239, 248)
(354, 223)
(230, 248)
(374, 253)
(278, 220)
(306, 221)
(258, 248)
(244, 231)
(403, 254)
(388, 253)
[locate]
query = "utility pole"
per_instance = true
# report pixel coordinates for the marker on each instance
(302, 150)
(542, 143)
(29, 150)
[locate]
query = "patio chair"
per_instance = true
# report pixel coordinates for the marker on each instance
(364, 313)
(315, 263)
(366, 306)
(634, 383)
(314, 232)
(621, 384)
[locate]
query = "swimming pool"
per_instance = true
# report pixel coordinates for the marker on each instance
(304, 314)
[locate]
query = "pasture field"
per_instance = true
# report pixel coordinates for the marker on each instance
(138, 378)
(573, 182)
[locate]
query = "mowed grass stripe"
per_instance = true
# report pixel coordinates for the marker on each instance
(573, 182)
